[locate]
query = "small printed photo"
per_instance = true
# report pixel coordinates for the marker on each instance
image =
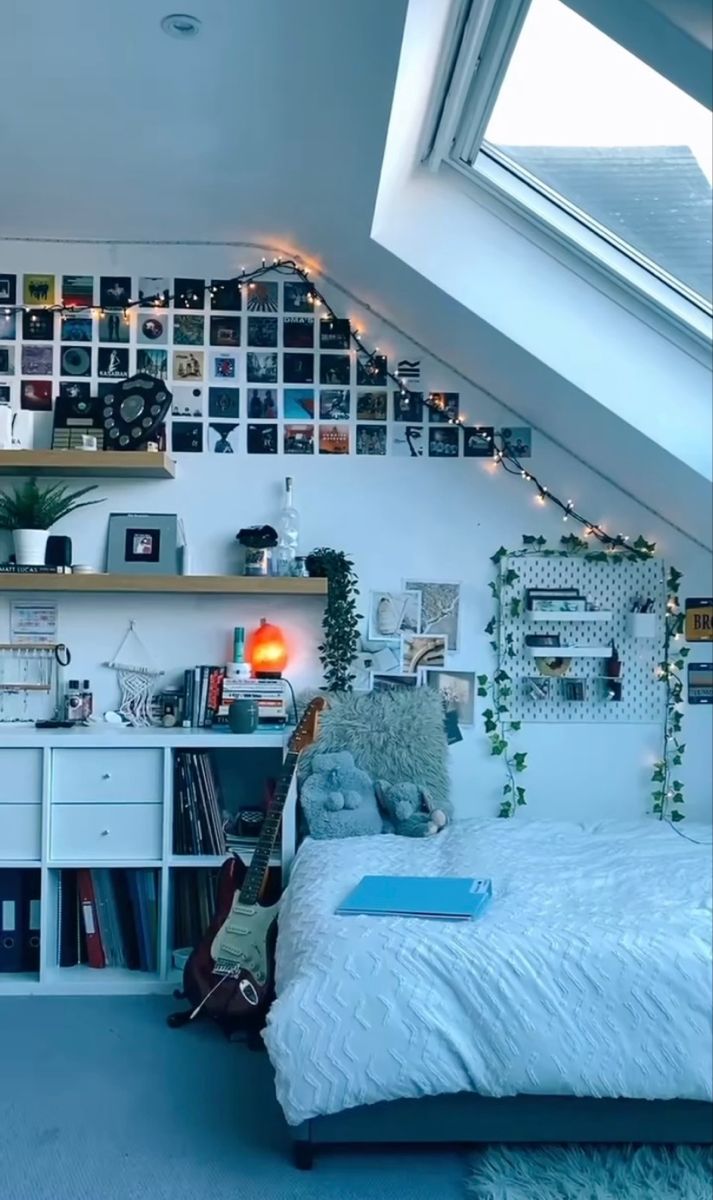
(8, 289)
(142, 545)
(112, 363)
(188, 364)
(38, 289)
(7, 360)
(187, 401)
(36, 395)
(298, 333)
(5, 393)
(334, 404)
(78, 291)
(187, 437)
(536, 688)
(408, 407)
(517, 440)
(114, 290)
(371, 439)
(390, 683)
(335, 369)
(261, 368)
(443, 443)
(152, 328)
(77, 394)
(76, 329)
(222, 439)
(38, 325)
(114, 327)
(297, 298)
(447, 406)
(37, 360)
(334, 334)
(188, 330)
(152, 362)
(478, 441)
(371, 406)
(299, 439)
(420, 651)
(262, 331)
(224, 366)
(262, 404)
(8, 326)
(298, 404)
(334, 439)
(226, 295)
(188, 293)
(77, 360)
(225, 331)
(409, 368)
(262, 439)
(394, 613)
(223, 402)
(408, 441)
(440, 608)
(261, 296)
(154, 290)
(371, 370)
(457, 690)
(298, 368)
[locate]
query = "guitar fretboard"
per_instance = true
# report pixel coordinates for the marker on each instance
(252, 886)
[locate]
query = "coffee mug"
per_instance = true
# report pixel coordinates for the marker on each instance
(243, 716)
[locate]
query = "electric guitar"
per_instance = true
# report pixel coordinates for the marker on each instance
(229, 975)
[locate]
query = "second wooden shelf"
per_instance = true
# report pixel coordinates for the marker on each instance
(266, 585)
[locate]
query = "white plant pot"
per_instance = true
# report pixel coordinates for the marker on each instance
(30, 546)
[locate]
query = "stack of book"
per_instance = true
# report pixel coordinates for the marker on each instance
(268, 693)
(107, 918)
(202, 688)
(195, 897)
(197, 820)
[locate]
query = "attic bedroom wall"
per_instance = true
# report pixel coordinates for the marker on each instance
(397, 517)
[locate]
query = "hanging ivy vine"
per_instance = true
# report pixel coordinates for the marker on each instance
(668, 794)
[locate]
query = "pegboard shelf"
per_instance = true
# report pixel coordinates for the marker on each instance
(570, 616)
(569, 651)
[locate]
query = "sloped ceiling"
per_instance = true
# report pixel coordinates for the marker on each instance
(270, 125)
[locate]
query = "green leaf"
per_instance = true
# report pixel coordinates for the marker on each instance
(684, 652)
(490, 627)
(515, 608)
(500, 676)
(482, 680)
(493, 646)
(490, 726)
(497, 748)
(507, 789)
(677, 785)
(482, 691)
(676, 760)
(677, 816)
(510, 577)
(528, 539)
(658, 807)
(494, 588)
(597, 556)
(519, 760)
(488, 712)
(505, 809)
(515, 726)
(495, 558)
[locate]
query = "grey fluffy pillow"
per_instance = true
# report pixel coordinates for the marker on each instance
(397, 736)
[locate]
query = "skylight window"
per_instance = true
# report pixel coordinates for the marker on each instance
(609, 141)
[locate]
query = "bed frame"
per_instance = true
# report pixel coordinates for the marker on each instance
(466, 1118)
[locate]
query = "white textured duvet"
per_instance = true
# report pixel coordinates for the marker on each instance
(589, 975)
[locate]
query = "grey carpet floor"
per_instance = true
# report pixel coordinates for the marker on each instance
(99, 1100)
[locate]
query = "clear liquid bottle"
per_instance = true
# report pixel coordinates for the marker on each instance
(288, 532)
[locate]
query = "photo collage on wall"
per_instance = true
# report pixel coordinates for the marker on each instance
(251, 370)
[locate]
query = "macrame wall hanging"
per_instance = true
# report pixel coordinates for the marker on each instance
(132, 663)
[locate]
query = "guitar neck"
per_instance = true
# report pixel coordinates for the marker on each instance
(260, 862)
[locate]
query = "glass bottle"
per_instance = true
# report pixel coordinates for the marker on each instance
(288, 532)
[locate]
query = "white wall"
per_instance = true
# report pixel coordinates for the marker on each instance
(397, 517)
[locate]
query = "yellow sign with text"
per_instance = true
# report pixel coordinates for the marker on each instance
(699, 619)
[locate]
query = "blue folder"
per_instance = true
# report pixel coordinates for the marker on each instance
(443, 897)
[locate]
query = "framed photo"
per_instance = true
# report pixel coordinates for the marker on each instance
(571, 604)
(419, 651)
(478, 441)
(536, 688)
(389, 683)
(700, 683)
(457, 690)
(142, 544)
(298, 439)
(440, 607)
(699, 619)
(573, 689)
(394, 613)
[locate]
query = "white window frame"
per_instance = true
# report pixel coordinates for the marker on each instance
(484, 34)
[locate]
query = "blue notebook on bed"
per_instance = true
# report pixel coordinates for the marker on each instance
(440, 897)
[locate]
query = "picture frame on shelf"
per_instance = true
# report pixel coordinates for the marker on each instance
(536, 688)
(143, 544)
(561, 604)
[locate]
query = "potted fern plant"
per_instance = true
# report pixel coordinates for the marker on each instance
(29, 511)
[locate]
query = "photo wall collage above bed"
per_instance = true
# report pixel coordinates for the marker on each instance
(250, 370)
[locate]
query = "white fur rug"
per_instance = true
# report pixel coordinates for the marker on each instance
(592, 1173)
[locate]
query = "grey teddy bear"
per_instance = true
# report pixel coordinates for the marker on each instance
(338, 798)
(408, 809)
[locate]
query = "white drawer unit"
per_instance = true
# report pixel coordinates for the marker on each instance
(107, 776)
(88, 833)
(20, 776)
(20, 832)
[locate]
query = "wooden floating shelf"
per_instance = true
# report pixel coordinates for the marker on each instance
(569, 651)
(570, 616)
(106, 464)
(264, 585)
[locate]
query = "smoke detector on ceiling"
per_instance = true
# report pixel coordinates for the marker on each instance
(181, 25)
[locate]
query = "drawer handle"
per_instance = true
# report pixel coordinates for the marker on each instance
(106, 775)
(105, 832)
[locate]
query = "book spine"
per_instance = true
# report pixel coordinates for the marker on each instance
(12, 569)
(196, 697)
(187, 697)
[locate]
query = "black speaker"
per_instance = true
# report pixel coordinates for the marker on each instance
(58, 552)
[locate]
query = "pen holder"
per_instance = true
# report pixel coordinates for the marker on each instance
(642, 625)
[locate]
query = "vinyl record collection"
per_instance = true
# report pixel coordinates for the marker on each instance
(194, 902)
(107, 918)
(197, 820)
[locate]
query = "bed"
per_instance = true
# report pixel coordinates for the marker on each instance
(578, 1008)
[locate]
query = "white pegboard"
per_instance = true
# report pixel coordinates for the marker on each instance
(609, 587)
